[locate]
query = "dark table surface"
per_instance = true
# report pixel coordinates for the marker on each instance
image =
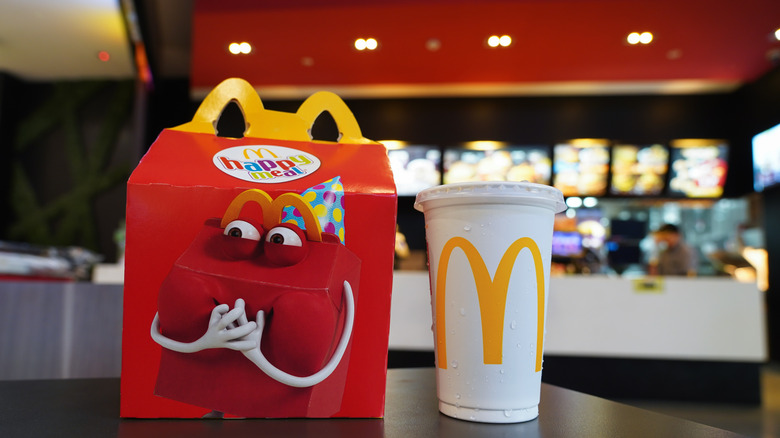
(87, 408)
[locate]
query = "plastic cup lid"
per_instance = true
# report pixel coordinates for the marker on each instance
(496, 192)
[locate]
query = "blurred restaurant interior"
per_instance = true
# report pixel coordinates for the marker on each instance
(682, 127)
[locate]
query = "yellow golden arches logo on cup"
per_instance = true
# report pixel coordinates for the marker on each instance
(272, 210)
(259, 152)
(491, 294)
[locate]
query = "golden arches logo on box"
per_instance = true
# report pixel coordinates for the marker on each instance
(272, 210)
(491, 295)
(259, 152)
(265, 163)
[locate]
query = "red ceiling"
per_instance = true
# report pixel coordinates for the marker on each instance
(300, 44)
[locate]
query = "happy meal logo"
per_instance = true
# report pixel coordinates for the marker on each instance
(265, 163)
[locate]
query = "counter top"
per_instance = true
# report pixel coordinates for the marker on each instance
(90, 408)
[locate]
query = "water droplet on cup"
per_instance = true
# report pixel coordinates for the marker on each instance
(501, 371)
(513, 324)
(467, 228)
(508, 413)
(454, 363)
(457, 396)
(462, 311)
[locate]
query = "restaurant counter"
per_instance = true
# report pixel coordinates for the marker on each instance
(666, 337)
(680, 338)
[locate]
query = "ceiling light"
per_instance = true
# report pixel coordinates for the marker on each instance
(777, 34)
(366, 44)
(636, 38)
(574, 202)
(484, 145)
(243, 48)
(433, 44)
(590, 202)
(503, 41)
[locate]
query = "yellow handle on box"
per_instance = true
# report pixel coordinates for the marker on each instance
(264, 123)
(322, 101)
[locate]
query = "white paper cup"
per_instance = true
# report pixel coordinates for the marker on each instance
(489, 250)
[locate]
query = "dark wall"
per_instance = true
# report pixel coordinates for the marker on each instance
(523, 120)
(547, 120)
(760, 110)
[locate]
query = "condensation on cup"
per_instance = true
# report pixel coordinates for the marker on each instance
(489, 250)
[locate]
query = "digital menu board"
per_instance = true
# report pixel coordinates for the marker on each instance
(581, 167)
(698, 168)
(766, 159)
(415, 167)
(566, 243)
(509, 163)
(639, 170)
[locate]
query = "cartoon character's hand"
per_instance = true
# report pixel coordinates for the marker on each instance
(256, 355)
(220, 333)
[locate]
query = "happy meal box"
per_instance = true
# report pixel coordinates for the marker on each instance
(258, 270)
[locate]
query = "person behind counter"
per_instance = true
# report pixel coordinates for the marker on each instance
(675, 256)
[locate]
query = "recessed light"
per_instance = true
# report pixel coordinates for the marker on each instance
(574, 202)
(366, 44)
(242, 48)
(433, 44)
(503, 41)
(777, 34)
(636, 38)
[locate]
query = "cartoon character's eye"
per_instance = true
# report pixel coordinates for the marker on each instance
(283, 236)
(243, 230)
(285, 245)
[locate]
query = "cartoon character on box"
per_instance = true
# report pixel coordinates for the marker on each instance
(256, 316)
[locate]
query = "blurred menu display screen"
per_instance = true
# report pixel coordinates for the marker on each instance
(512, 163)
(639, 170)
(566, 244)
(766, 159)
(581, 168)
(415, 167)
(698, 168)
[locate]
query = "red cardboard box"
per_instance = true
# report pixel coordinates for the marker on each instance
(258, 270)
